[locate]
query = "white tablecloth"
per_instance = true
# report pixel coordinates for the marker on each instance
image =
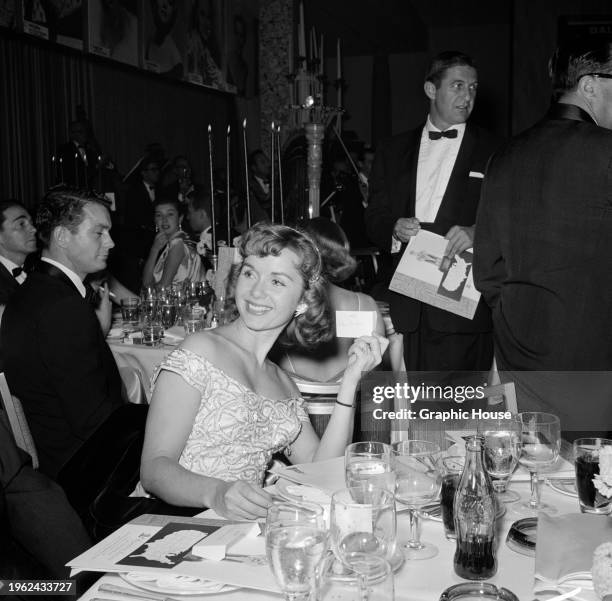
(426, 579)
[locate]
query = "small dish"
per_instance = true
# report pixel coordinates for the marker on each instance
(565, 486)
(477, 590)
(173, 584)
(522, 536)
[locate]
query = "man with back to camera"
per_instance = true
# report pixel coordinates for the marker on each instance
(543, 246)
(430, 178)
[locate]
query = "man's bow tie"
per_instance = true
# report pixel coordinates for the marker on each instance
(449, 133)
(17, 271)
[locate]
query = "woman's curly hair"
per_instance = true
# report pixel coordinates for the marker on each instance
(314, 326)
(338, 265)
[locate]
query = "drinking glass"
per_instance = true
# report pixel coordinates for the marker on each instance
(363, 520)
(541, 442)
(168, 312)
(369, 462)
(152, 331)
(586, 462)
(417, 483)
(129, 314)
(149, 308)
(193, 319)
(502, 449)
(296, 541)
(148, 293)
(361, 577)
(451, 468)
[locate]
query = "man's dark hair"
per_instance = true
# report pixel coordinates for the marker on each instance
(253, 156)
(148, 161)
(8, 204)
(64, 208)
(446, 60)
(199, 199)
(577, 58)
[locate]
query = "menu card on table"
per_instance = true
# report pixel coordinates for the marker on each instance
(174, 545)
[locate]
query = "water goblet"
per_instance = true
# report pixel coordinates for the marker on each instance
(148, 293)
(296, 541)
(152, 331)
(369, 461)
(129, 313)
(168, 311)
(541, 442)
(502, 449)
(361, 576)
(149, 308)
(363, 520)
(417, 483)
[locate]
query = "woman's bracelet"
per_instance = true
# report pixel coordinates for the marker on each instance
(345, 405)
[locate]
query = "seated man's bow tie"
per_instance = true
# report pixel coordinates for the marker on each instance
(449, 133)
(17, 271)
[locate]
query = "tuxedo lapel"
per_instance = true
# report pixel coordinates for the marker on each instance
(8, 283)
(408, 173)
(54, 272)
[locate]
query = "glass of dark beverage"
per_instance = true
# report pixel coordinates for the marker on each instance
(587, 452)
(451, 468)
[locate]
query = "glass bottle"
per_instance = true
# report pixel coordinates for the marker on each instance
(475, 510)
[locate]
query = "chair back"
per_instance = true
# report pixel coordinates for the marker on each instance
(320, 398)
(18, 422)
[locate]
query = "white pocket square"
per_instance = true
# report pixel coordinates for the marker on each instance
(477, 174)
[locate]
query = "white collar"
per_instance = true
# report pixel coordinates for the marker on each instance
(74, 278)
(429, 126)
(9, 264)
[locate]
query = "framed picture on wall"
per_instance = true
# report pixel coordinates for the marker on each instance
(243, 46)
(60, 21)
(113, 29)
(165, 25)
(8, 14)
(207, 44)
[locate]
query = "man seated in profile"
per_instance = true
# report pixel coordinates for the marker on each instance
(56, 357)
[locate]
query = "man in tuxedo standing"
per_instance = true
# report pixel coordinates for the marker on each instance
(543, 245)
(56, 358)
(17, 241)
(430, 178)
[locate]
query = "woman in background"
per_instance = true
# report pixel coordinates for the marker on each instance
(328, 362)
(221, 409)
(172, 259)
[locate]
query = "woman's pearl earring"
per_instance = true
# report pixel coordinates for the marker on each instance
(300, 309)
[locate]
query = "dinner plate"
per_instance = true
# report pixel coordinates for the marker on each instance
(566, 486)
(173, 584)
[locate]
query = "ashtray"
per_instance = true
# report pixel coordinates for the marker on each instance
(477, 591)
(522, 536)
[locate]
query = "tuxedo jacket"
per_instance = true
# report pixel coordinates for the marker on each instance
(543, 245)
(8, 284)
(58, 363)
(392, 188)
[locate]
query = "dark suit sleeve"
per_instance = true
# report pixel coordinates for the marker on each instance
(72, 348)
(489, 267)
(379, 218)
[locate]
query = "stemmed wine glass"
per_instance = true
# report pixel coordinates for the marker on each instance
(296, 541)
(369, 461)
(418, 482)
(541, 442)
(502, 449)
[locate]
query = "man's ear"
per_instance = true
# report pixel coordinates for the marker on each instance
(586, 87)
(430, 90)
(60, 236)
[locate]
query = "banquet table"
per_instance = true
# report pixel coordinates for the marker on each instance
(422, 580)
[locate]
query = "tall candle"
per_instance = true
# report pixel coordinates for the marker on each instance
(280, 175)
(246, 175)
(301, 33)
(321, 56)
(99, 174)
(76, 168)
(227, 185)
(53, 170)
(290, 50)
(272, 159)
(212, 194)
(338, 61)
(61, 162)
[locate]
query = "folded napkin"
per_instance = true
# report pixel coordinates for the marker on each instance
(325, 475)
(564, 550)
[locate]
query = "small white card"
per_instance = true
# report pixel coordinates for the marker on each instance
(215, 545)
(353, 324)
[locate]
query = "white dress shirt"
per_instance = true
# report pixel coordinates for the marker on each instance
(150, 191)
(435, 165)
(74, 278)
(21, 278)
